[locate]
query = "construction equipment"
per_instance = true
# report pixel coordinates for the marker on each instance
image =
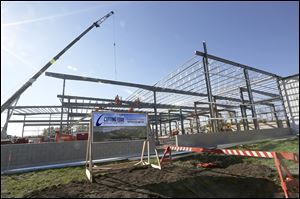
(17, 94)
(226, 127)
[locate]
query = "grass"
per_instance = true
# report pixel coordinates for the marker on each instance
(291, 145)
(17, 185)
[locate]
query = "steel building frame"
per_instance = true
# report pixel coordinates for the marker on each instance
(204, 91)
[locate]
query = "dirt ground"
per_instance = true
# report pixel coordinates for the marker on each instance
(239, 180)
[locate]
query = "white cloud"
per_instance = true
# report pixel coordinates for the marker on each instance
(72, 68)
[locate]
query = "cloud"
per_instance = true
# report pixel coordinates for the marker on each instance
(72, 68)
(50, 17)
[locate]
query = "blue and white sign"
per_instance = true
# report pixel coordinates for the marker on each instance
(119, 119)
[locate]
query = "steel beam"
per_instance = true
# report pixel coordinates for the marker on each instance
(61, 116)
(282, 102)
(243, 112)
(105, 81)
(181, 122)
(249, 90)
(170, 128)
(261, 92)
(235, 64)
(196, 117)
(208, 88)
(23, 126)
(155, 113)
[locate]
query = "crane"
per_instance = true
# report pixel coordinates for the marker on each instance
(14, 98)
(17, 94)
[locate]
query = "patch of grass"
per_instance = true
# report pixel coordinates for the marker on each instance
(290, 145)
(17, 185)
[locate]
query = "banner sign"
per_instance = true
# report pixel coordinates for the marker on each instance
(119, 126)
(119, 119)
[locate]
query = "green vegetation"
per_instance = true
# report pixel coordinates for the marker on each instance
(17, 185)
(291, 145)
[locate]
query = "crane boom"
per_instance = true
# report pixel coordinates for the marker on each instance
(55, 58)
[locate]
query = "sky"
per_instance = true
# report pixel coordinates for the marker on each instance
(152, 39)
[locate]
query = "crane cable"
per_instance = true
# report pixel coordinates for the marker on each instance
(115, 54)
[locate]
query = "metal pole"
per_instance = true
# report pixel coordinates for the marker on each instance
(238, 127)
(248, 85)
(68, 116)
(49, 125)
(275, 115)
(155, 113)
(282, 102)
(243, 111)
(217, 122)
(23, 126)
(170, 125)
(208, 87)
(196, 117)
(160, 129)
(191, 126)
(244, 116)
(4, 129)
(165, 128)
(181, 122)
(62, 109)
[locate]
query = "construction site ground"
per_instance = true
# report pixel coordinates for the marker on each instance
(234, 177)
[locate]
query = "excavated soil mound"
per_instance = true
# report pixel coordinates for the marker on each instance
(238, 181)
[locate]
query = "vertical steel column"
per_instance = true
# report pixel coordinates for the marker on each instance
(238, 127)
(155, 113)
(170, 125)
(160, 130)
(62, 109)
(243, 111)
(49, 125)
(4, 129)
(23, 126)
(68, 117)
(249, 90)
(196, 117)
(282, 102)
(181, 122)
(208, 87)
(217, 122)
(275, 115)
(165, 128)
(191, 125)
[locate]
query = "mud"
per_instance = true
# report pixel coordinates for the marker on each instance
(236, 181)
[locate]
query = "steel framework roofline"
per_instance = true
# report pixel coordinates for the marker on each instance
(21, 107)
(290, 77)
(105, 81)
(160, 106)
(236, 64)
